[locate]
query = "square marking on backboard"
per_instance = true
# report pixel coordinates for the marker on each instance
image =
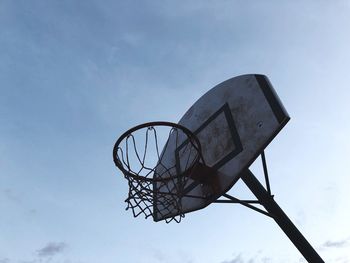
(221, 137)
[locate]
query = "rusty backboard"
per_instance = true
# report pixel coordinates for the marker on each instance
(234, 122)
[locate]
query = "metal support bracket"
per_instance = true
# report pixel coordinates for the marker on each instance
(266, 175)
(247, 203)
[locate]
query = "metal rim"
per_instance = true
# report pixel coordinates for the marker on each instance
(151, 124)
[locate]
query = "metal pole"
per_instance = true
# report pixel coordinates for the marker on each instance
(281, 218)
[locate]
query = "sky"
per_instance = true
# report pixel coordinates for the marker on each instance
(74, 75)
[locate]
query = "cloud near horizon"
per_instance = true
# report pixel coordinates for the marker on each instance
(52, 249)
(240, 259)
(336, 244)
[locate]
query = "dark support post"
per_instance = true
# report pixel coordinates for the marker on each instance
(280, 217)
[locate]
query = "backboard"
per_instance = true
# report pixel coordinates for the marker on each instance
(234, 122)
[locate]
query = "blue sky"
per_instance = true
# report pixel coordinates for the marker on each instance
(75, 74)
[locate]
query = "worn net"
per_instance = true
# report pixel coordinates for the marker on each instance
(157, 176)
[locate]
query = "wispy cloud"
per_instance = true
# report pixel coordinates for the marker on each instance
(266, 259)
(11, 196)
(253, 259)
(51, 249)
(179, 255)
(159, 256)
(336, 244)
(239, 259)
(4, 260)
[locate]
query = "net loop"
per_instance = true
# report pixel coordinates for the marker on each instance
(157, 176)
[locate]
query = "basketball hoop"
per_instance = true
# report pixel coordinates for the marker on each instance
(155, 183)
(228, 127)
